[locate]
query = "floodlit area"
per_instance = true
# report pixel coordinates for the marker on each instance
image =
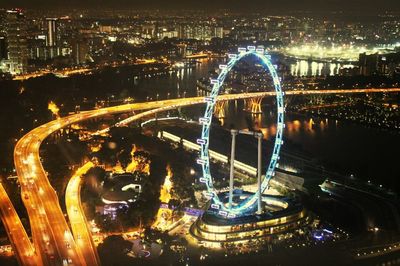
(335, 52)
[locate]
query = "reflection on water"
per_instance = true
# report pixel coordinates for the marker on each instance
(313, 68)
(350, 148)
(180, 83)
(266, 122)
(344, 147)
(221, 121)
(293, 126)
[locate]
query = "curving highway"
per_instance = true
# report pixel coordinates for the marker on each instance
(52, 238)
(77, 217)
(22, 246)
(50, 232)
(51, 235)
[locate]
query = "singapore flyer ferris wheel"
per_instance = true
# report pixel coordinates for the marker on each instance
(245, 205)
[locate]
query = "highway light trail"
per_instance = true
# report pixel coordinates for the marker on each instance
(48, 224)
(22, 246)
(77, 217)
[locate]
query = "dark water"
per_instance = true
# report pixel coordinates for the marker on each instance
(343, 147)
(179, 84)
(367, 153)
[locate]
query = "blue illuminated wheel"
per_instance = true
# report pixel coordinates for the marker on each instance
(247, 204)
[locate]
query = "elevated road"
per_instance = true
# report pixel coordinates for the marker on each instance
(50, 232)
(22, 246)
(77, 217)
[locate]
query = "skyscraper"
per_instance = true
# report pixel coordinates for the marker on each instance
(80, 50)
(3, 48)
(15, 27)
(52, 38)
(218, 32)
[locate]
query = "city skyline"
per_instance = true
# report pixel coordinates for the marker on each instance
(199, 133)
(352, 6)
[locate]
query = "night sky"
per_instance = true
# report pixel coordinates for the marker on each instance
(370, 6)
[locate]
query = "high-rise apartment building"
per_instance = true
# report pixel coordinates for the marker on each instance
(52, 37)
(3, 48)
(15, 29)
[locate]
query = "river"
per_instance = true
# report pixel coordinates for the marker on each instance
(365, 152)
(368, 153)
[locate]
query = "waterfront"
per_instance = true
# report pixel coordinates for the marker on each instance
(367, 153)
(348, 148)
(343, 147)
(199, 136)
(313, 68)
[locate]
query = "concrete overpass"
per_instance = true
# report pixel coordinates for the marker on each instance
(52, 237)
